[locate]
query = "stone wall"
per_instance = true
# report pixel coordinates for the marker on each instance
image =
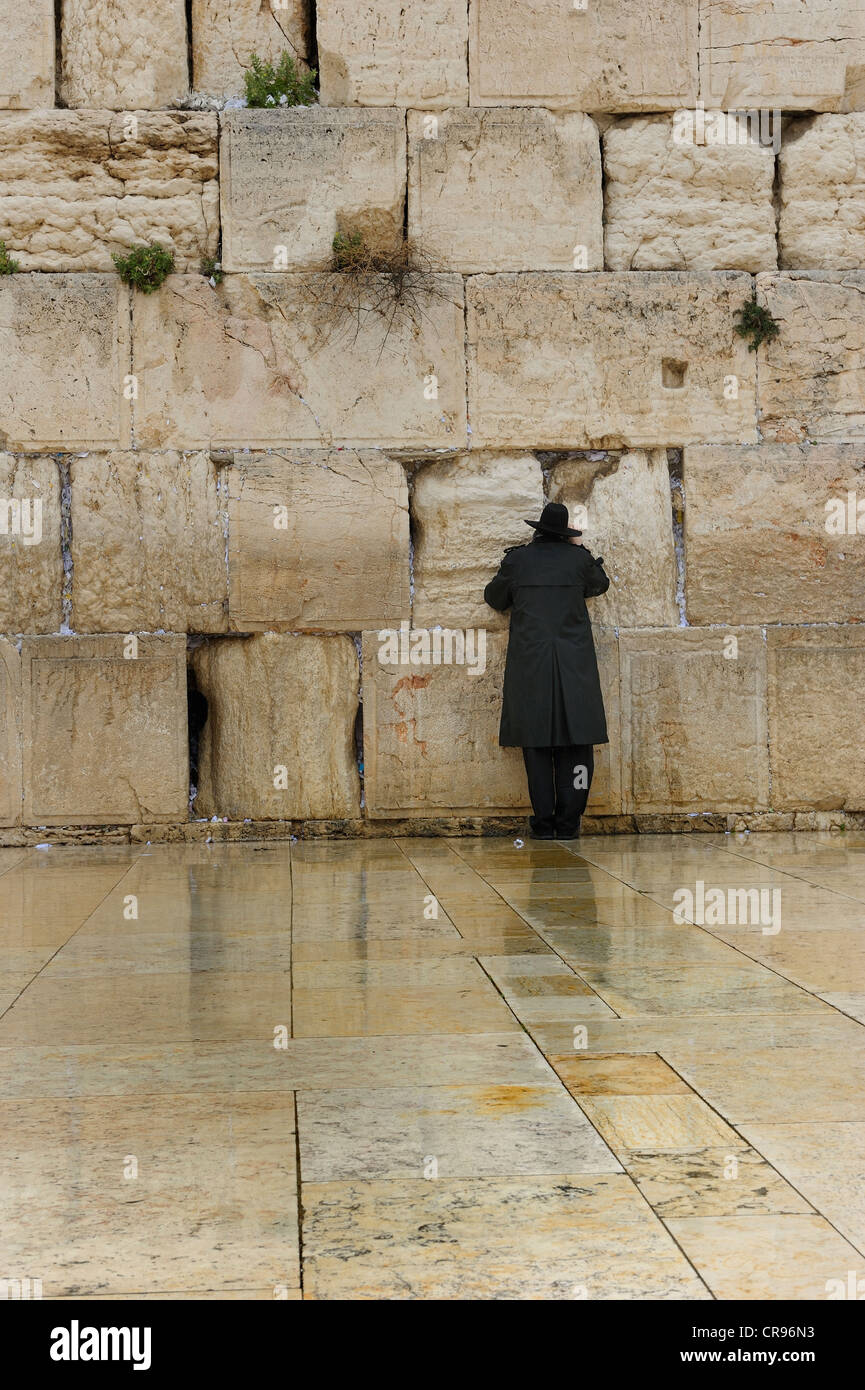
(246, 519)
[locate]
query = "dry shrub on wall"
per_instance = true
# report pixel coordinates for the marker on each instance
(377, 277)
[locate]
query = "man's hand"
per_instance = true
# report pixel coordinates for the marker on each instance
(575, 540)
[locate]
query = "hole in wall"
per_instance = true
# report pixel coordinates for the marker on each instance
(673, 374)
(197, 709)
(310, 35)
(58, 52)
(358, 750)
(190, 73)
(675, 464)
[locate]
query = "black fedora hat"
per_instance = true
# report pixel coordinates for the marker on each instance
(554, 521)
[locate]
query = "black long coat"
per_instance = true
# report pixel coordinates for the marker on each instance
(552, 691)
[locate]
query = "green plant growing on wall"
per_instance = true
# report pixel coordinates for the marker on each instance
(212, 270)
(282, 85)
(756, 323)
(349, 250)
(146, 267)
(8, 266)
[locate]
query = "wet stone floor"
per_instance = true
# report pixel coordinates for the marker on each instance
(624, 1067)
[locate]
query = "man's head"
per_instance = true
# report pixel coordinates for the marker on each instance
(554, 522)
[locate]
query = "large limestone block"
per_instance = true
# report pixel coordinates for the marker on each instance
(608, 360)
(281, 709)
(757, 549)
(506, 189)
(811, 381)
(124, 56)
(318, 539)
(105, 734)
(466, 511)
(64, 352)
(260, 362)
(226, 32)
(388, 53)
(148, 543)
(822, 186)
(31, 558)
(789, 54)
(431, 733)
(27, 69)
(10, 735)
(816, 678)
(291, 179)
(673, 204)
(622, 55)
(605, 798)
(628, 519)
(76, 186)
(694, 721)
(431, 730)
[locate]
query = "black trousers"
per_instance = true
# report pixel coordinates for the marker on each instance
(559, 782)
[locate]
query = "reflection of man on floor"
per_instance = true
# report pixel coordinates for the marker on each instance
(552, 705)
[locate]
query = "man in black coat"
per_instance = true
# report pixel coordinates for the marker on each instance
(552, 705)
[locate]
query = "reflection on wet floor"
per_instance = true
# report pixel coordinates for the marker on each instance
(415, 1068)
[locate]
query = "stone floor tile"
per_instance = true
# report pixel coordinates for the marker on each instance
(573, 1236)
(715, 1181)
(765, 1257)
(657, 1122)
(466, 1131)
(619, 1076)
(368, 1010)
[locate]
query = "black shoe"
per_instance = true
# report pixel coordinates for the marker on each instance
(566, 832)
(540, 830)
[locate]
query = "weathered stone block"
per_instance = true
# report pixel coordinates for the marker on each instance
(605, 798)
(431, 730)
(812, 376)
(76, 186)
(629, 521)
(31, 559)
(318, 539)
(466, 511)
(816, 678)
(10, 735)
(822, 162)
(290, 179)
(279, 739)
(624, 55)
(64, 349)
(226, 32)
(693, 721)
(757, 547)
(673, 204)
(104, 725)
(506, 189)
(791, 54)
(387, 53)
(608, 360)
(148, 544)
(273, 359)
(124, 57)
(27, 71)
